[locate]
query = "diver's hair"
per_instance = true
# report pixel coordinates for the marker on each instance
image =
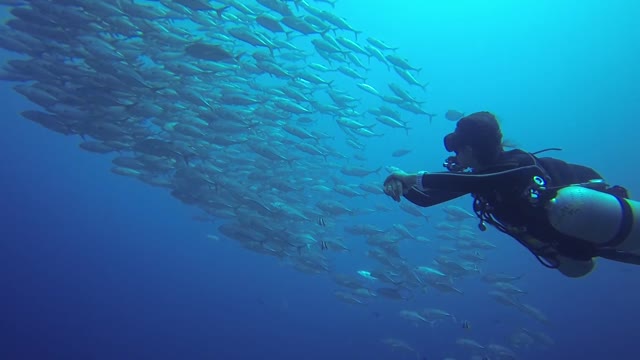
(482, 132)
(510, 144)
(487, 154)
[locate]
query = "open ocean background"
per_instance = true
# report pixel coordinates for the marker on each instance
(99, 266)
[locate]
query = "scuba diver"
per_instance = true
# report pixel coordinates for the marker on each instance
(565, 214)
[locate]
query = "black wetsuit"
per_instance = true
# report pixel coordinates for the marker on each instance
(502, 187)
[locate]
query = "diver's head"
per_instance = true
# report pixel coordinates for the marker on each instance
(477, 140)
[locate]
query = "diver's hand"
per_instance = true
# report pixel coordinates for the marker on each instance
(398, 184)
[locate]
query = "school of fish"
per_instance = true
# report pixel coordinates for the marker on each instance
(235, 107)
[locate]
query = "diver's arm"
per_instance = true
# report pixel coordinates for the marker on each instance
(426, 198)
(446, 185)
(471, 183)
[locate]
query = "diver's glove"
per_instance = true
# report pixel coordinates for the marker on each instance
(398, 184)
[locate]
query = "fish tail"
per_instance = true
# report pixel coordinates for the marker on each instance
(219, 11)
(431, 116)
(237, 57)
(186, 158)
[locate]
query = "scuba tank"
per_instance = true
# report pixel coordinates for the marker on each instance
(596, 216)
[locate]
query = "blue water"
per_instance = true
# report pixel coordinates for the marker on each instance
(98, 266)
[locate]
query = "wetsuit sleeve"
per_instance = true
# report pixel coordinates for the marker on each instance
(471, 183)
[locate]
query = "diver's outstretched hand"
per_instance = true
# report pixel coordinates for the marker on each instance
(398, 184)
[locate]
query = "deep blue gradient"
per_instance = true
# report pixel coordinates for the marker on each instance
(99, 266)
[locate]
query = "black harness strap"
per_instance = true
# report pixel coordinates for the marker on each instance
(483, 210)
(625, 227)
